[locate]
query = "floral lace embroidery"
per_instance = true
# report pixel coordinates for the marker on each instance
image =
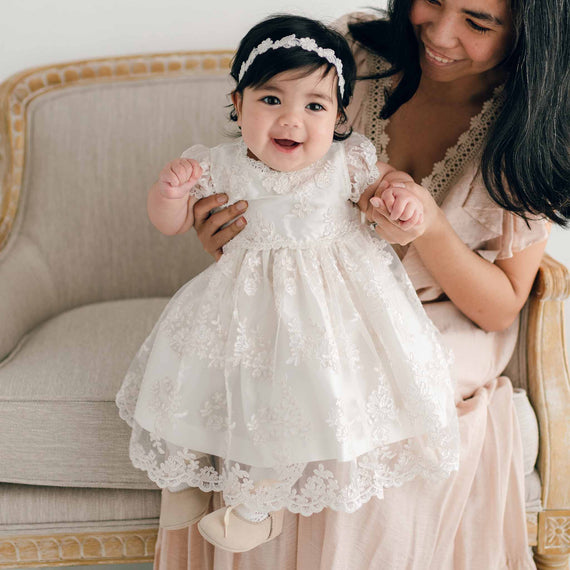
(313, 341)
(468, 146)
(279, 422)
(317, 174)
(252, 350)
(362, 169)
(343, 420)
(304, 488)
(329, 285)
(215, 413)
(165, 403)
(381, 408)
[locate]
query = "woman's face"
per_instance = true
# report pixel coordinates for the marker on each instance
(461, 38)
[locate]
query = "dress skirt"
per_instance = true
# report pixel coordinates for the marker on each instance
(474, 520)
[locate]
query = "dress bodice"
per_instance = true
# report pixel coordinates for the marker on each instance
(290, 209)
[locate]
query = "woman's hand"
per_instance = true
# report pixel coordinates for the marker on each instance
(209, 227)
(389, 225)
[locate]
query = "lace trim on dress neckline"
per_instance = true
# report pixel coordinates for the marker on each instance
(289, 180)
(468, 145)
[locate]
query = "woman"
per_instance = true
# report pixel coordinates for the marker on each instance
(464, 100)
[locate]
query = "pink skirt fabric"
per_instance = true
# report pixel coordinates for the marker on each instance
(473, 521)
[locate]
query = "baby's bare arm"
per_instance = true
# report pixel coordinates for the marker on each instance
(170, 205)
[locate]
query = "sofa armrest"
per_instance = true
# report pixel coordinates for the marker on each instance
(27, 291)
(549, 381)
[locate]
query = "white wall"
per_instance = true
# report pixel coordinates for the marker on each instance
(40, 32)
(37, 32)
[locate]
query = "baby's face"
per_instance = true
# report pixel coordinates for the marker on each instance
(288, 123)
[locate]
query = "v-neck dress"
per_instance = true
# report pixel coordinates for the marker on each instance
(475, 520)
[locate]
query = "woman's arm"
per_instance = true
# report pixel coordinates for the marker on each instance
(490, 294)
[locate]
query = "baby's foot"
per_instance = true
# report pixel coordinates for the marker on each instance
(227, 530)
(183, 508)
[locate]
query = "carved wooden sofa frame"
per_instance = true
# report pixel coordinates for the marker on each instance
(541, 342)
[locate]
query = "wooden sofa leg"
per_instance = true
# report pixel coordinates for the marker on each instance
(552, 561)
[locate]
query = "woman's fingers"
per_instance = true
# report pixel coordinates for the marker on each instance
(209, 226)
(225, 235)
(203, 207)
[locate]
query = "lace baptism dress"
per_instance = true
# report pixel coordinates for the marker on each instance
(300, 370)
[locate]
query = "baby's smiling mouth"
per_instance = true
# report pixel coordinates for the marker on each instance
(286, 143)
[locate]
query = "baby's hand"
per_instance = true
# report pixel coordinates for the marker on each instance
(178, 177)
(402, 205)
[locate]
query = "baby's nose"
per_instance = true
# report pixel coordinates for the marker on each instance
(290, 119)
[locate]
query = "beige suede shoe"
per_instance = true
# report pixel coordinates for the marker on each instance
(183, 509)
(227, 530)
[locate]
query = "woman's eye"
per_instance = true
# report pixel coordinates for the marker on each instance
(270, 100)
(315, 107)
(477, 27)
(433, 2)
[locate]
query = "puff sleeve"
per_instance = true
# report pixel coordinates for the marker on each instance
(502, 233)
(205, 185)
(361, 163)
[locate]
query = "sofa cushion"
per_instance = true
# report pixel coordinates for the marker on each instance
(57, 399)
(82, 234)
(32, 508)
(58, 417)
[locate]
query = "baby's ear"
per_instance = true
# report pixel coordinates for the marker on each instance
(237, 101)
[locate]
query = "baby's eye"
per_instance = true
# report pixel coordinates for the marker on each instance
(270, 100)
(315, 107)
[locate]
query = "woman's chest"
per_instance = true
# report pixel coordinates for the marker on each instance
(420, 136)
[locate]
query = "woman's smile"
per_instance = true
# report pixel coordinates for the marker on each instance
(436, 58)
(461, 38)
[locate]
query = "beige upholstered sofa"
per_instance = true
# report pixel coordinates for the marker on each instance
(83, 276)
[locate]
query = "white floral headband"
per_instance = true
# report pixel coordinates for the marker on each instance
(308, 44)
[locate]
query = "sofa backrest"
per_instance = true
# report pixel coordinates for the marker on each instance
(82, 143)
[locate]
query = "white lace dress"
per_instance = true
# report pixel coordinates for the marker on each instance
(299, 371)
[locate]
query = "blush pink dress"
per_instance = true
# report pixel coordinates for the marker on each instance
(476, 519)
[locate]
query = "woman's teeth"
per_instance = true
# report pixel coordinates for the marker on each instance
(437, 57)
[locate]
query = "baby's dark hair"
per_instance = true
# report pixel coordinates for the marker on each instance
(271, 63)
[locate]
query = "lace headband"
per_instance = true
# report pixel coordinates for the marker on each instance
(308, 44)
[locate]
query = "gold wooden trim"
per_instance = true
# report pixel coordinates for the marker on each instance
(17, 92)
(532, 528)
(554, 532)
(549, 381)
(119, 547)
(551, 561)
(552, 282)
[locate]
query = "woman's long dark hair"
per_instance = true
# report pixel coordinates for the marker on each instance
(526, 158)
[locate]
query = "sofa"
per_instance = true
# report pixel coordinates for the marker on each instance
(84, 275)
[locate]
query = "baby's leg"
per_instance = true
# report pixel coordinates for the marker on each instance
(245, 526)
(260, 477)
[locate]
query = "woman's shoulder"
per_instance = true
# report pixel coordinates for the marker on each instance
(341, 24)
